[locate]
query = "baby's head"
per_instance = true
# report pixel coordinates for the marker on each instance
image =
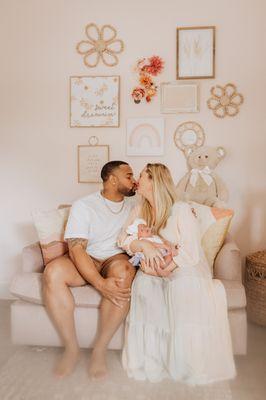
(144, 231)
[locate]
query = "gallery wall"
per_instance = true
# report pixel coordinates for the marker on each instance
(38, 149)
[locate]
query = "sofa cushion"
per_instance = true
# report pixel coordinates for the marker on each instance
(214, 224)
(228, 262)
(28, 286)
(32, 259)
(50, 226)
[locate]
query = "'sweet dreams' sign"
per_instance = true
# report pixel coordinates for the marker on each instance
(94, 101)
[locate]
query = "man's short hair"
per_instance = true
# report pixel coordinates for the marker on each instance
(109, 167)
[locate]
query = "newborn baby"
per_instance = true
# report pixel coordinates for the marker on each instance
(142, 231)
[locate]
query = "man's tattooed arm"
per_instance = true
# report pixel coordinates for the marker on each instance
(77, 241)
(74, 243)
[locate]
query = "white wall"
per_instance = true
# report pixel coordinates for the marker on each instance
(37, 147)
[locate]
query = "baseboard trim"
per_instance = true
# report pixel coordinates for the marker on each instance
(4, 291)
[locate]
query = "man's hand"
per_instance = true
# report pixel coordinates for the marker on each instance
(110, 288)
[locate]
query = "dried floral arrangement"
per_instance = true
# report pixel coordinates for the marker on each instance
(147, 68)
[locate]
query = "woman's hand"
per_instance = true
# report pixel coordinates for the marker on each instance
(164, 272)
(152, 253)
(147, 270)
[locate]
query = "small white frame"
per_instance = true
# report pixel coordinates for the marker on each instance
(179, 97)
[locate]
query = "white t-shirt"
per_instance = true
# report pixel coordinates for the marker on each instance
(91, 218)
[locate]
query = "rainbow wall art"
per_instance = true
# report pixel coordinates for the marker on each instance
(145, 136)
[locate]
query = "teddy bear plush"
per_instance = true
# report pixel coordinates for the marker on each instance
(201, 183)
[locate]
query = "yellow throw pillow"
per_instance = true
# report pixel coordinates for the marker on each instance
(214, 224)
(50, 226)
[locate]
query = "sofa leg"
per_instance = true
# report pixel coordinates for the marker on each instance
(238, 327)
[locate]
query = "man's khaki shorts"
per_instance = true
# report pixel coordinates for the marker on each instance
(103, 266)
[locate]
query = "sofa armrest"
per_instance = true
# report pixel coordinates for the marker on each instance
(32, 260)
(227, 264)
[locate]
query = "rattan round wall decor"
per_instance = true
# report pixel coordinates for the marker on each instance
(189, 134)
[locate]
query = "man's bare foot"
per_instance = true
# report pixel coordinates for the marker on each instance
(67, 363)
(98, 367)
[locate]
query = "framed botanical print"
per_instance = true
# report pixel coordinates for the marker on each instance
(195, 52)
(94, 101)
(179, 97)
(91, 159)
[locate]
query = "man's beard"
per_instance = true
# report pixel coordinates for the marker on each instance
(127, 192)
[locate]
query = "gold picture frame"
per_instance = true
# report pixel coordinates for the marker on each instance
(94, 101)
(195, 52)
(91, 159)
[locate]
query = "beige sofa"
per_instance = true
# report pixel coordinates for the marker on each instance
(31, 325)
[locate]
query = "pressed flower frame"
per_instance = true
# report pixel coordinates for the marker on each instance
(195, 52)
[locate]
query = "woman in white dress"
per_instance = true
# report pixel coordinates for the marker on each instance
(177, 326)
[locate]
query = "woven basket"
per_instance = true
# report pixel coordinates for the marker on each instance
(255, 283)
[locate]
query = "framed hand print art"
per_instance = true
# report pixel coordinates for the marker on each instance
(195, 52)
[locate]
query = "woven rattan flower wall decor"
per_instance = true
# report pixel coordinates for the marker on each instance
(101, 44)
(225, 100)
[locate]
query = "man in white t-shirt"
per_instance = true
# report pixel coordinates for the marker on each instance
(91, 232)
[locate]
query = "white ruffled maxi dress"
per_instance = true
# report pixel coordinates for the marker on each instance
(177, 327)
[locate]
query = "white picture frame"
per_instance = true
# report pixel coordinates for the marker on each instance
(179, 97)
(145, 136)
(91, 159)
(94, 101)
(195, 52)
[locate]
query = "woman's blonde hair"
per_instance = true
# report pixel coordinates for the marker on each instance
(164, 196)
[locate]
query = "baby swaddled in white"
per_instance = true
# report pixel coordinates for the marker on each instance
(141, 231)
